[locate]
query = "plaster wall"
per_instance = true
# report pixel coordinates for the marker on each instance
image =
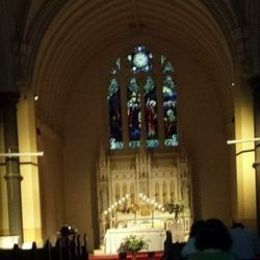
(51, 181)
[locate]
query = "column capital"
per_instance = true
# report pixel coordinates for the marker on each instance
(9, 98)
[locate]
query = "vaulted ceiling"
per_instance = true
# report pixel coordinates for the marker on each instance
(66, 35)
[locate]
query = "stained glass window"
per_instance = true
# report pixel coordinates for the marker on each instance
(134, 113)
(114, 103)
(143, 126)
(150, 101)
(169, 112)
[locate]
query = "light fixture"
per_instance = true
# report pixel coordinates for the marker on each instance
(21, 154)
(243, 140)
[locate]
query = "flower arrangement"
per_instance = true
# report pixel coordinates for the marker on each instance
(122, 248)
(176, 208)
(133, 244)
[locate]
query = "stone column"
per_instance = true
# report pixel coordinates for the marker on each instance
(255, 84)
(13, 178)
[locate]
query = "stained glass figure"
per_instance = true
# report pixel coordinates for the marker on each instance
(150, 101)
(170, 112)
(115, 122)
(134, 113)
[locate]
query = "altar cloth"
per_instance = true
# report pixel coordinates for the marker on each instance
(113, 238)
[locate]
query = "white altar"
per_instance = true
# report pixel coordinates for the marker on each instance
(114, 237)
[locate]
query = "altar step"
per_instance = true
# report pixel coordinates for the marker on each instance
(100, 251)
(140, 256)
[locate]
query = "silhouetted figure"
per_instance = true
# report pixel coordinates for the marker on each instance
(65, 243)
(245, 242)
(213, 242)
(190, 247)
(168, 246)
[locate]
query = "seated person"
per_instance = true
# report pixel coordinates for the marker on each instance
(65, 235)
(245, 242)
(189, 248)
(213, 242)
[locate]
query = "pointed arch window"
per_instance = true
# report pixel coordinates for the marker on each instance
(169, 103)
(134, 113)
(151, 124)
(144, 99)
(114, 104)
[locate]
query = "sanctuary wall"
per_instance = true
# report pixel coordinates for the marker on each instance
(145, 188)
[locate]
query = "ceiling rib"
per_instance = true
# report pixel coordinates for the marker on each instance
(135, 16)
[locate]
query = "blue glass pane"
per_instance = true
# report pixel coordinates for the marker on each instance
(134, 111)
(115, 122)
(170, 112)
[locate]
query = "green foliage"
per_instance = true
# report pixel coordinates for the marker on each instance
(133, 244)
(176, 208)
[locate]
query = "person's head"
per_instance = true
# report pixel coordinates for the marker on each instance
(67, 230)
(237, 225)
(195, 227)
(213, 235)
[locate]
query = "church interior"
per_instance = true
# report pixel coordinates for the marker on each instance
(128, 113)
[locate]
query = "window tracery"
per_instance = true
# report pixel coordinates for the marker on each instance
(150, 98)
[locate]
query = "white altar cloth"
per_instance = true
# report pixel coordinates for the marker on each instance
(114, 237)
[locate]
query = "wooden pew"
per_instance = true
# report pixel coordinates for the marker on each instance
(68, 249)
